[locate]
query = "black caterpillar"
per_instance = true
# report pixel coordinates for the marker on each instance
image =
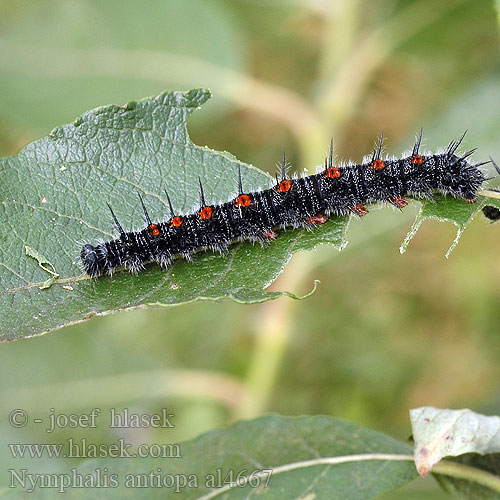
(298, 202)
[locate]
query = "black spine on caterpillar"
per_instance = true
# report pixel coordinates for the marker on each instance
(290, 202)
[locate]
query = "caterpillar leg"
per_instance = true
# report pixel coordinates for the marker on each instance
(398, 201)
(317, 220)
(360, 210)
(270, 235)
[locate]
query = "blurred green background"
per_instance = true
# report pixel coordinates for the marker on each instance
(384, 332)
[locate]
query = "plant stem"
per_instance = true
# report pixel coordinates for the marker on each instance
(273, 332)
(466, 472)
(489, 194)
(276, 102)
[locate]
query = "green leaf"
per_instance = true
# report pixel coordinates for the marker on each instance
(445, 209)
(308, 458)
(494, 202)
(54, 199)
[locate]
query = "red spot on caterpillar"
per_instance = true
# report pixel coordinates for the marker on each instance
(154, 231)
(317, 219)
(176, 222)
(205, 213)
(284, 186)
(243, 200)
(333, 173)
(471, 200)
(417, 160)
(360, 209)
(399, 201)
(270, 235)
(378, 164)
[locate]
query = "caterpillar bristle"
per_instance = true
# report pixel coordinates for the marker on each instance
(416, 146)
(495, 165)
(146, 215)
(376, 152)
(454, 145)
(482, 163)
(116, 223)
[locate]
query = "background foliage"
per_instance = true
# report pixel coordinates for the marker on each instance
(384, 332)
